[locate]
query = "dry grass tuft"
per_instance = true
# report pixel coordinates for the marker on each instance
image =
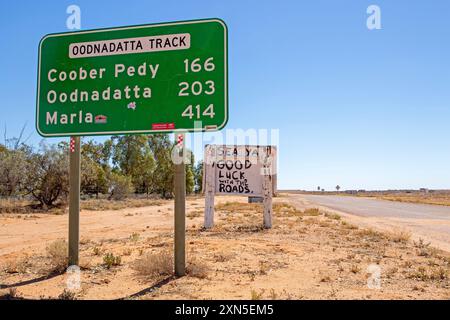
(134, 237)
(17, 266)
(15, 206)
(311, 212)
(194, 214)
(97, 251)
(19, 206)
(57, 252)
(285, 209)
(430, 274)
(348, 226)
(370, 234)
(332, 216)
(104, 204)
(399, 236)
(424, 249)
(238, 207)
(154, 264)
(355, 269)
(220, 257)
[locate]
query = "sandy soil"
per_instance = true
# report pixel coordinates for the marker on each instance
(302, 257)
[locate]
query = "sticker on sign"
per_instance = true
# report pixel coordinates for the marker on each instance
(133, 80)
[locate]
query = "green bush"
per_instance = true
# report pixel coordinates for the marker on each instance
(120, 186)
(110, 260)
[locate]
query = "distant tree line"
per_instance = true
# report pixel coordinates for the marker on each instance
(121, 165)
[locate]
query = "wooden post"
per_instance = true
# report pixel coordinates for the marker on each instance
(267, 188)
(74, 199)
(210, 187)
(180, 210)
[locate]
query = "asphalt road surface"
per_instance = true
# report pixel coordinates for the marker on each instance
(430, 222)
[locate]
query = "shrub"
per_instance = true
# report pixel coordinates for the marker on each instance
(110, 260)
(47, 179)
(13, 165)
(120, 186)
(97, 251)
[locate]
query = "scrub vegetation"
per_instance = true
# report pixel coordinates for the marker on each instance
(36, 179)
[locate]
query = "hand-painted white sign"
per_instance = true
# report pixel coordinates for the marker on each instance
(239, 170)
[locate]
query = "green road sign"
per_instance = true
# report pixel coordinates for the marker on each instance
(131, 80)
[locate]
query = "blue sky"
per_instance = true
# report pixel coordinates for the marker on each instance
(355, 107)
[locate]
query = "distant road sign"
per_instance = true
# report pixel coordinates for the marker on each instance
(132, 80)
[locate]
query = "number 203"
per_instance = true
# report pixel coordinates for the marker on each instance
(196, 88)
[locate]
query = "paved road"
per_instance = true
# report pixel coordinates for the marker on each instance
(428, 222)
(365, 207)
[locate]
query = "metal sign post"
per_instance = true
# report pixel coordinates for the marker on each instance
(180, 210)
(74, 199)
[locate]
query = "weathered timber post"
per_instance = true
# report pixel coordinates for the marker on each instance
(210, 187)
(267, 187)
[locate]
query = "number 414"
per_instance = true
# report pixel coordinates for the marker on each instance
(197, 112)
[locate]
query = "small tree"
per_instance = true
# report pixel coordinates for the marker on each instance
(338, 188)
(198, 173)
(133, 157)
(47, 179)
(190, 179)
(318, 188)
(93, 177)
(162, 179)
(13, 170)
(120, 186)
